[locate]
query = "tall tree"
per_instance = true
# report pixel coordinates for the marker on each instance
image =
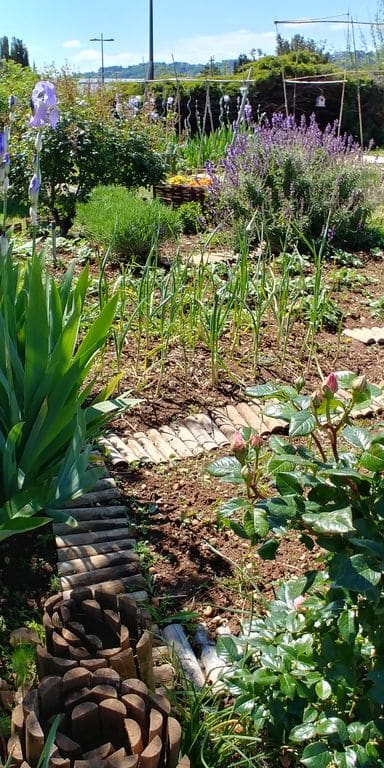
(4, 48)
(19, 52)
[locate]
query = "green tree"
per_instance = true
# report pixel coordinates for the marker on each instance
(19, 52)
(4, 48)
(300, 43)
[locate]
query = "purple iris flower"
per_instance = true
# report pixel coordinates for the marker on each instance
(44, 105)
(3, 143)
(34, 188)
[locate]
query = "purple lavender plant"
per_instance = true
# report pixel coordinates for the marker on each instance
(293, 174)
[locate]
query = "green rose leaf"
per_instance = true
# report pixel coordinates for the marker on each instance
(358, 437)
(354, 573)
(287, 483)
(268, 550)
(302, 423)
(337, 522)
(302, 732)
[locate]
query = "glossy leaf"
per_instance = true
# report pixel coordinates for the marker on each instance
(316, 755)
(338, 522)
(302, 424)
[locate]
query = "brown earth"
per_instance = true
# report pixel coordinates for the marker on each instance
(192, 563)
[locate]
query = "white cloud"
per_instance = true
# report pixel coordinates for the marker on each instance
(71, 44)
(198, 50)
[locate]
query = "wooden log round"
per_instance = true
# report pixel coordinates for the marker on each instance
(106, 723)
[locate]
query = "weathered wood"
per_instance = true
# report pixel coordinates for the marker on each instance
(164, 674)
(85, 723)
(103, 574)
(200, 434)
(75, 679)
(150, 449)
(134, 685)
(150, 757)
(15, 749)
(17, 722)
(62, 666)
(30, 703)
(84, 564)
(94, 643)
(173, 742)
(68, 747)
(88, 550)
(59, 646)
(93, 664)
(184, 762)
(253, 419)
(75, 697)
(87, 526)
(181, 450)
(136, 709)
(106, 677)
(124, 638)
(144, 659)
(223, 422)
(43, 662)
(112, 620)
(128, 612)
(91, 514)
(212, 429)
(100, 692)
(162, 444)
(235, 417)
(120, 759)
(269, 425)
(156, 723)
(124, 663)
(79, 654)
(161, 703)
(112, 715)
(71, 638)
(187, 437)
(115, 454)
(34, 739)
(134, 736)
(101, 752)
(91, 537)
(128, 451)
(49, 696)
(97, 496)
(177, 639)
(59, 762)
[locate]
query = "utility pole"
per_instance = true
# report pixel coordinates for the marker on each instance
(151, 65)
(101, 40)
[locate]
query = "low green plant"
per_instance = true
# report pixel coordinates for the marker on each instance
(309, 670)
(191, 218)
(132, 227)
(48, 417)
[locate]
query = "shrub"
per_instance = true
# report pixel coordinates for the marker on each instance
(289, 177)
(114, 217)
(311, 667)
(191, 218)
(79, 154)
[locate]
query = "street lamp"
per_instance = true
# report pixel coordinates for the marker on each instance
(101, 40)
(151, 66)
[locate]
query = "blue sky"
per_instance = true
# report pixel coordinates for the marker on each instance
(192, 30)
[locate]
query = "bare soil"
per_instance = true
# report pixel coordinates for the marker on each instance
(191, 562)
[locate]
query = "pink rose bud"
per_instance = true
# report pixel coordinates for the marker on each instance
(330, 385)
(298, 602)
(237, 442)
(255, 441)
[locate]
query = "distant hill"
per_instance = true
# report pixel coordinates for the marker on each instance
(162, 69)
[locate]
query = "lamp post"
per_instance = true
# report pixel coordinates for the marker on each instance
(101, 40)
(151, 66)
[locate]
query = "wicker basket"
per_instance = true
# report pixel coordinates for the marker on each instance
(177, 194)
